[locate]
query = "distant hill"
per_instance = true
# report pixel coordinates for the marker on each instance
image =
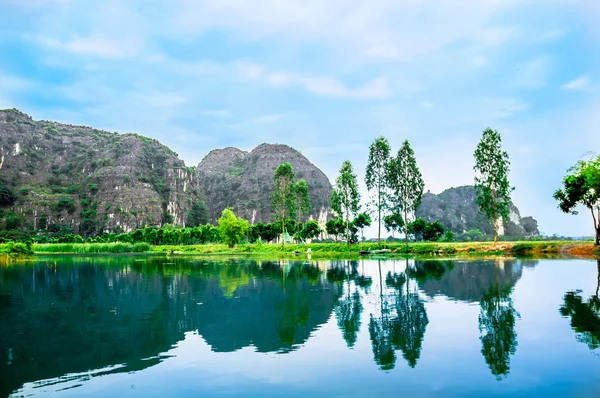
(244, 180)
(88, 180)
(456, 209)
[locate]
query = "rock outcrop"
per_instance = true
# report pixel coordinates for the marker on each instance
(89, 181)
(457, 210)
(242, 180)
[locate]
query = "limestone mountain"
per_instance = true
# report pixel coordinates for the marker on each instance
(230, 177)
(457, 210)
(65, 177)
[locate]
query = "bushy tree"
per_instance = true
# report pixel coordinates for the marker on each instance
(393, 222)
(198, 214)
(335, 227)
(231, 228)
(7, 198)
(417, 228)
(310, 230)
(491, 179)
(345, 198)
(582, 187)
(376, 176)
(361, 221)
(433, 231)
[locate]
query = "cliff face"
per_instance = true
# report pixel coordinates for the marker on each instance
(243, 181)
(457, 210)
(88, 180)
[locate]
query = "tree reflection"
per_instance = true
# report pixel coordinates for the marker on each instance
(402, 321)
(497, 318)
(585, 316)
(349, 308)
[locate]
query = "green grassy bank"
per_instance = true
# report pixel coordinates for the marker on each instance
(577, 248)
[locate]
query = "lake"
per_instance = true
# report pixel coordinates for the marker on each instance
(145, 326)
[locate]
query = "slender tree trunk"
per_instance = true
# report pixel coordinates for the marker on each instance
(598, 279)
(405, 226)
(495, 220)
(596, 226)
(379, 215)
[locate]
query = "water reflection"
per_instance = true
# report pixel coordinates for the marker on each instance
(497, 318)
(108, 311)
(102, 315)
(585, 315)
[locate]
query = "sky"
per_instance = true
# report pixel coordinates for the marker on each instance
(325, 77)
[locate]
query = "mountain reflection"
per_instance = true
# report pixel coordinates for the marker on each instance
(100, 312)
(585, 315)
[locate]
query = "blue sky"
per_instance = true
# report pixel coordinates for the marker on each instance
(326, 77)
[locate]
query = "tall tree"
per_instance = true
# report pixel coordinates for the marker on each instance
(491, 179)
(582, 187)
(375, 177)
(302, 199)
(345, 198)
(405, 182)
(284, 196)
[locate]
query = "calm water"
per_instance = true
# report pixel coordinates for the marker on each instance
(181, 326)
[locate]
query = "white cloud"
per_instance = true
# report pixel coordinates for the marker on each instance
(581, 83)
(94, 46)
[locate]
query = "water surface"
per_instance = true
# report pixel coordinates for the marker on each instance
(143, 326)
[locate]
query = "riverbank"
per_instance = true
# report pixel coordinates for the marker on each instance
(574, 248)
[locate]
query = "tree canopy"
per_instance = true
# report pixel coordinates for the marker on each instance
(284, 196)
(582, 187)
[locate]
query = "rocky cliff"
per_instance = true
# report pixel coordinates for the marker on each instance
(243, 181)
(457, 210)
(88, 181)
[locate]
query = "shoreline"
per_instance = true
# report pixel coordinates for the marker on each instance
(318, 250)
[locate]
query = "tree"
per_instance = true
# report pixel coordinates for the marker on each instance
(231, 228)
(473, 235)
(491, 179)
(582, 187)
(284, 196)
(393, 222)
(376, 176)
(417, 228)
(7, 198)
(345, 198)
(405, 182)
(433, 231)
(310, 230)
(198, 215)
(302, 200)
(335, 227)
(361, 221)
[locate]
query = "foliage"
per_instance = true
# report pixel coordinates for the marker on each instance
(345, 199)
(302, 200)
(473, 235)
(361, 221)
(284, 196)
(17, 248)
(405, 182)
(433, 231)
(335, 226)
(376, 176)
(231, 228)
(449, 236)
(582, 187)
(393, 222)
(310, 230)
(7, 197)
(198, 214)
(491, 180)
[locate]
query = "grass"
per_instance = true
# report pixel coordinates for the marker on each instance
(333, 249)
